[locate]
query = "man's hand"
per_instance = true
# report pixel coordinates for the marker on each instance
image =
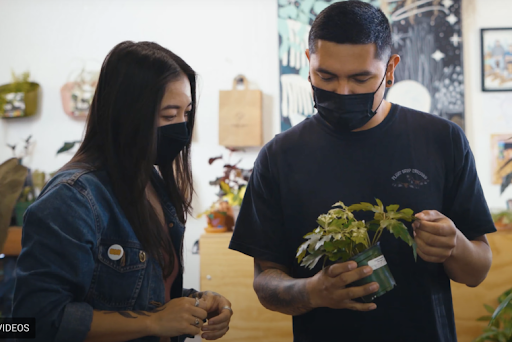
(219, 314)
(328, 288)
(435, 235)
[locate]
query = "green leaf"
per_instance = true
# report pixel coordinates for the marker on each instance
(301, 251)
(324, 220)
(321, 242)
(504, 295)
(407, 212)
(500, 308)
(313, 240)
(363, 206)
(338, 223)
(489, 308)
(373, 225)
(340, 204)
(67, 146)
(381, 206)
(414, 250)
(329, 246)
(393, 207)
(225, 187)
(484, 319)
(338, 212)
(311, 260)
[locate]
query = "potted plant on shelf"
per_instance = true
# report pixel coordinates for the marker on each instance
(340, 237)
(34, 181)
(18, 98)
(231, 190)
(500, 320)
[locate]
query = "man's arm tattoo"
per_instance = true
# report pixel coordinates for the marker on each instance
(279, 292)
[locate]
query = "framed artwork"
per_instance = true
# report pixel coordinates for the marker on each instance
(426, 34)
(496, 59)
(501, 146)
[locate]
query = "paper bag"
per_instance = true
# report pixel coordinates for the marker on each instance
(240, 116)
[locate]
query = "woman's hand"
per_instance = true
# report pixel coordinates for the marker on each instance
(180, 316)
(219, 314)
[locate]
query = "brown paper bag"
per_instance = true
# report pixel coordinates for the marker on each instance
(240, 116)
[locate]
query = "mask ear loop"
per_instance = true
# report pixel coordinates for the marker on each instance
(375, 92)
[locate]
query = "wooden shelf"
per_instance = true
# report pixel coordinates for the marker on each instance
(12, 245)
(231, 273)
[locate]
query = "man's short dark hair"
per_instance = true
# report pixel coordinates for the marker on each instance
(352, 22)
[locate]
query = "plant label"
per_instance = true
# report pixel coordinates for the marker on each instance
(377, 262)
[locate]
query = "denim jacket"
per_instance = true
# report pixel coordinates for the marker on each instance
(64, 271)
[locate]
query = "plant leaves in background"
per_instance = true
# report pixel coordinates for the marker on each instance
(67, 146)
(12, 179)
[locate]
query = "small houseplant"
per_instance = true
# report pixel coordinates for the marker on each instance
(340, 237)
(19, 98)
(231, 190)
(34, 181)
(500, 320)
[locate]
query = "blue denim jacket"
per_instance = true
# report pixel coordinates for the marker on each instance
(64, 272)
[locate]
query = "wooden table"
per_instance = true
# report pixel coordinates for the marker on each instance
(468, 302)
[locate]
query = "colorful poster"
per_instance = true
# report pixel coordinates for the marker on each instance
(426, 34)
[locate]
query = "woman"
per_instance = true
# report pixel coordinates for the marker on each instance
(102, 246)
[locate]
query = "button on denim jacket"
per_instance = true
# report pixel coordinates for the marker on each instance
(64, 271)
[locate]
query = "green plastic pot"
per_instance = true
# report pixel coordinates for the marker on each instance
(19, 210)
(374, 258)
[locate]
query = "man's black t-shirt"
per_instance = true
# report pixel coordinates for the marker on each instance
(413, 159)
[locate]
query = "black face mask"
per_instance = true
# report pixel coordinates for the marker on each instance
(171, 139)
(345, 112)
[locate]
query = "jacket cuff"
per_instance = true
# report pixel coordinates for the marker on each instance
(76, 322)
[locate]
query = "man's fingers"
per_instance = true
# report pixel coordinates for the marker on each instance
(435, 228)
(223, 316)
(215, 335)
(433, 252)
(337, 269)
(215, 327)
(351, 305)
(349, 277)
(428, 258)
(350, 293)
(433, 240)
(429, 215)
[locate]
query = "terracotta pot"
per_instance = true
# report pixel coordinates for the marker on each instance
(217, 219)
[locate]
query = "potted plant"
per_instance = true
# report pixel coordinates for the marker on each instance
(18, 98)
(500, 320)
(216, 217)
(502, 219)
(34, 182)
(341, 237)
(231, 190)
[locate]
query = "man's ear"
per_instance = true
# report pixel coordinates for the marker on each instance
(390, 73)
(307, 53)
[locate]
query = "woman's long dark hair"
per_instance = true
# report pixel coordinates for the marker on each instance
(121, 138)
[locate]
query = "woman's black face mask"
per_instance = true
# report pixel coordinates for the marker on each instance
(171, 140)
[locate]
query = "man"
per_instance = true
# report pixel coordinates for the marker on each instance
(360, 147)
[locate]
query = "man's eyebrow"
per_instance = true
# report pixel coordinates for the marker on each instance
(364, 73)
